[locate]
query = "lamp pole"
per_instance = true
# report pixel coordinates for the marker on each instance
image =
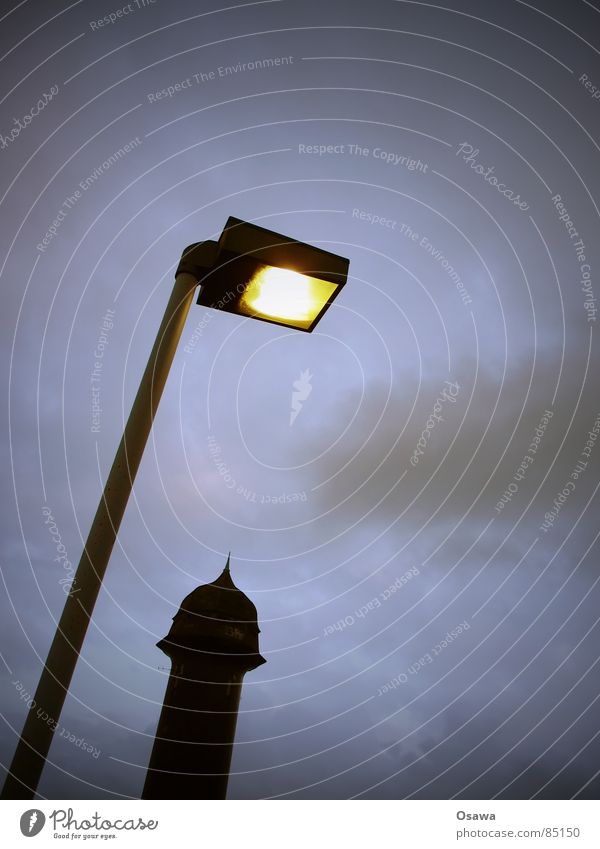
(42, 719)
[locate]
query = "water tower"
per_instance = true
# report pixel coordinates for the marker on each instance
(212, 643)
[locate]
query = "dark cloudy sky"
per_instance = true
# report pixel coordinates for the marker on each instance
(461, 123)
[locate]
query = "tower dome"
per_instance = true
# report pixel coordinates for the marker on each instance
(220, 599)
(216, 618)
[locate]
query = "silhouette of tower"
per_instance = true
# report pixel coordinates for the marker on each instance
(212, 643)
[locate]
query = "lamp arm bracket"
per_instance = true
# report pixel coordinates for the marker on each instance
(197, 259)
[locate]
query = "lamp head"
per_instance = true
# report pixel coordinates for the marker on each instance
(257, 273)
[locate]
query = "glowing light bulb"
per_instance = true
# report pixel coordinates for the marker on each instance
(282, 294)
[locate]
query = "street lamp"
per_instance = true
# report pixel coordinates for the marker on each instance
(251, 272)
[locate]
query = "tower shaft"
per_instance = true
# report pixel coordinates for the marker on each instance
(192, 750)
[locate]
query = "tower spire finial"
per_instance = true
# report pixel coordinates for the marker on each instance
(228, 561)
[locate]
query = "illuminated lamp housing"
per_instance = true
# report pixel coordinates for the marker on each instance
(257, 273)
